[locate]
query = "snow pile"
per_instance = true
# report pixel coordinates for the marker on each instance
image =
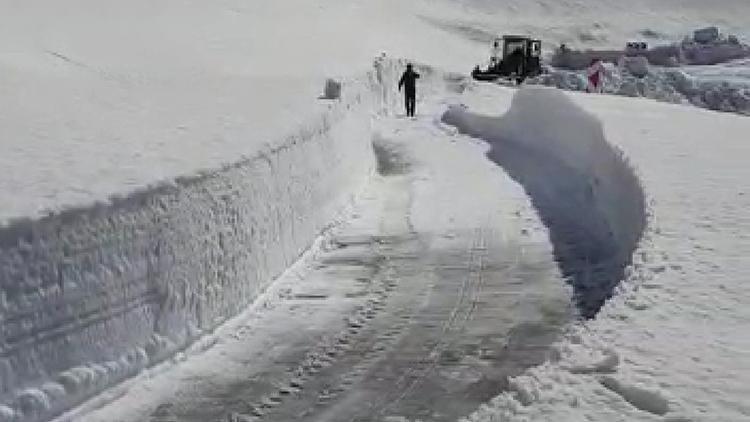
(670, 344)
(706, 47)
(91, 296)
(637, 66)
(585, 191)
(580, 60)
(673, 85)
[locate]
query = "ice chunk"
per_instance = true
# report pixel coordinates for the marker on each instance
(648, 400)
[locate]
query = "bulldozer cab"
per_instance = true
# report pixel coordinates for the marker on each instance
(511, 44)
(529, 47)
(521, 58)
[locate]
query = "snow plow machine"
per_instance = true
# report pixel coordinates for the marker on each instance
(521, 58)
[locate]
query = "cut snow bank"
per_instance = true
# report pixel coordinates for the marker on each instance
(672, 337)
(585, 190)
(91, 296)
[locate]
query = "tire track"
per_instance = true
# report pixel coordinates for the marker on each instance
(465, 303)
(333, 366)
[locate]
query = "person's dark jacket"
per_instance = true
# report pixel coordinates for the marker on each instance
(409, 82)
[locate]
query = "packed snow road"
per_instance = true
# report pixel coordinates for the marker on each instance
(418, 307)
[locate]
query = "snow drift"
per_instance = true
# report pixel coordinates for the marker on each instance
(91, 296)
(687, 52)
(584, 189)
(668, 339)
(728, 91)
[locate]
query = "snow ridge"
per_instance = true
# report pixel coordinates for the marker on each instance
(91, 296)
(583, 187)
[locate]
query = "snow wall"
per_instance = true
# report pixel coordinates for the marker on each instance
(92, 296)
(583, 187)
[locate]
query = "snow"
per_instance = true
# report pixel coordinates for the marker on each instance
(721, 88)
(736, 72)
(584, 189)
(331, 290)
(93, 296)
(105, 98)
(687, 52)
(145, 145)
(592, 24)
(669, 342)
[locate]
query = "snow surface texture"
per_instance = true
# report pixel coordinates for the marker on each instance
(671, 344)
(591, 24)
(101, 98)
(90, 103)
(298, 335)
(584, 189)
(93, 295)
(726, 88)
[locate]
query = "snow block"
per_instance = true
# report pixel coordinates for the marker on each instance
(636, 66)
(579, 60)
(91, 296)
(645, 399)
(583, 188)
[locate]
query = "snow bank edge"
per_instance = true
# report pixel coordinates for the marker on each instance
(92, 296)
(584, 188)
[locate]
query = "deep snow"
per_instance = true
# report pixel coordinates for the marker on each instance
(105, 97)
(110, 98)
(724, 87)
(93, 296)
(670, 344)
(584, 189)
(389, 317)
(102, 98)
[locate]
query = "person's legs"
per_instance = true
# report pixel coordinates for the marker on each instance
(410, 105)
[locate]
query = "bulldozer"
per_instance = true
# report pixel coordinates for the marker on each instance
(521, 58)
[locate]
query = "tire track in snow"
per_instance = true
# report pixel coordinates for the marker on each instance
(369, 340)
(471, 286)
(446, 313)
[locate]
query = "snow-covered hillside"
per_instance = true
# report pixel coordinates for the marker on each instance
(102, 98)
(108, 97)
(592, 23)
(92, 296)
(145, 145)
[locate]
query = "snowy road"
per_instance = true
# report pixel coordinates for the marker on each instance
(419, 307)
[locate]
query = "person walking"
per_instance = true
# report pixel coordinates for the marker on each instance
(409, 82)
